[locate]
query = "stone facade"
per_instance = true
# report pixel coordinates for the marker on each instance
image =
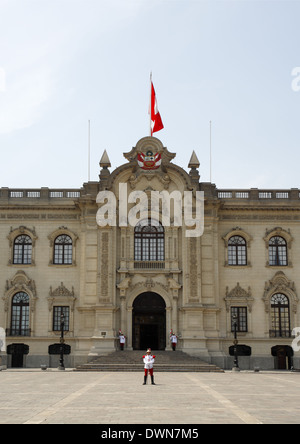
(56, 258)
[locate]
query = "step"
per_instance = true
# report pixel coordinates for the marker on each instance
(135, 368)
(166, 361)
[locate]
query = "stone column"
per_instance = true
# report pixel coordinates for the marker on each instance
(174, 287)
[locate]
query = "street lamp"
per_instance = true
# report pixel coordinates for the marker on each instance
(62, 342)
(235, 343)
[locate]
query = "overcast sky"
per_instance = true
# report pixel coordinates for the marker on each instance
(234, 63)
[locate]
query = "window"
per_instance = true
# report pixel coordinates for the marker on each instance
(57, 312)
(20, 315)
(63, 250)
(237, 251)
(280, 316)
(149, 242)
(277, 251)
(241, 313)
(22, 250)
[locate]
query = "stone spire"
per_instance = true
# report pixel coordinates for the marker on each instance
(194, 162)
(104, 172)
(194, 165)
(105, 162)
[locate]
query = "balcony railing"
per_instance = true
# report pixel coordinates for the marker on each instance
(149, 265)
(256, 194)
(280, 333)
(42, 193)
(18, 332)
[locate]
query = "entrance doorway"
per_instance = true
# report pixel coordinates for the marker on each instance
(17, 352)
(283, 355)
(149, 322)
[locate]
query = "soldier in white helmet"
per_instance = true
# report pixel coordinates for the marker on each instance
(149, 360)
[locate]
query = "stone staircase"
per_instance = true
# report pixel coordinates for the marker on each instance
(131, 361)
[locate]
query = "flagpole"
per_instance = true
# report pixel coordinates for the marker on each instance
(210, 147)
(89, 150)
(150, 110)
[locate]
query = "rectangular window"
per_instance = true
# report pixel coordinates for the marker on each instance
(278, 255)
(57, 312)
(242, 324)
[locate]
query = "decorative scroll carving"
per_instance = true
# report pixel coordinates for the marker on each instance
(61, 295)
(104, 296)
(238, 296)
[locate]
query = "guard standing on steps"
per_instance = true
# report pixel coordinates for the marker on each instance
(122, 339)
(149, 360)
(173, 339)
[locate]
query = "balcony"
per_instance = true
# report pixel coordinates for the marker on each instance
(280, 333)
(149, 265)
(132, 266)
(18, 332)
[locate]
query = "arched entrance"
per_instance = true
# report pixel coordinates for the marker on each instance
(149, 322)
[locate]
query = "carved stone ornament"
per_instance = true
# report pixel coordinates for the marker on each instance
(280, 284)
(61, 295)
(123, 286)
(147, 145)
(238, 296)
(278, 231)
(20, 282)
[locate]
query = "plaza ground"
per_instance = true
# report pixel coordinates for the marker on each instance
(55, 397)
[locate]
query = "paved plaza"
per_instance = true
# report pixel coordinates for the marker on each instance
(54, 397)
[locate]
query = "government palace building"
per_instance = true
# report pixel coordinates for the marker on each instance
(74, 252)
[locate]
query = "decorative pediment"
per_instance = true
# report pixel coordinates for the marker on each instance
(149, 157)
(61, 291)
(237, 231)
(61, 295)
(238, 296)
(20, 282)
(19, 231)
(147, 145)
(278, 231)
(280, 284)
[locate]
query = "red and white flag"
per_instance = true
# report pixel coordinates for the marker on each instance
(155, 119)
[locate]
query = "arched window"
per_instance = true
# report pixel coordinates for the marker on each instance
(22, 250)
(277, 251)
(280, 316)
(149, 241)
(237, 251)
(20, 315)
(63, 250)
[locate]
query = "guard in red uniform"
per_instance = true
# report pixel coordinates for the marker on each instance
(149, 360)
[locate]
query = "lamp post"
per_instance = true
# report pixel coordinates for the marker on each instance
(62, 342)
(235, 343)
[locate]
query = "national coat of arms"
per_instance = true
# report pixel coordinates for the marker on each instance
(149, 161)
